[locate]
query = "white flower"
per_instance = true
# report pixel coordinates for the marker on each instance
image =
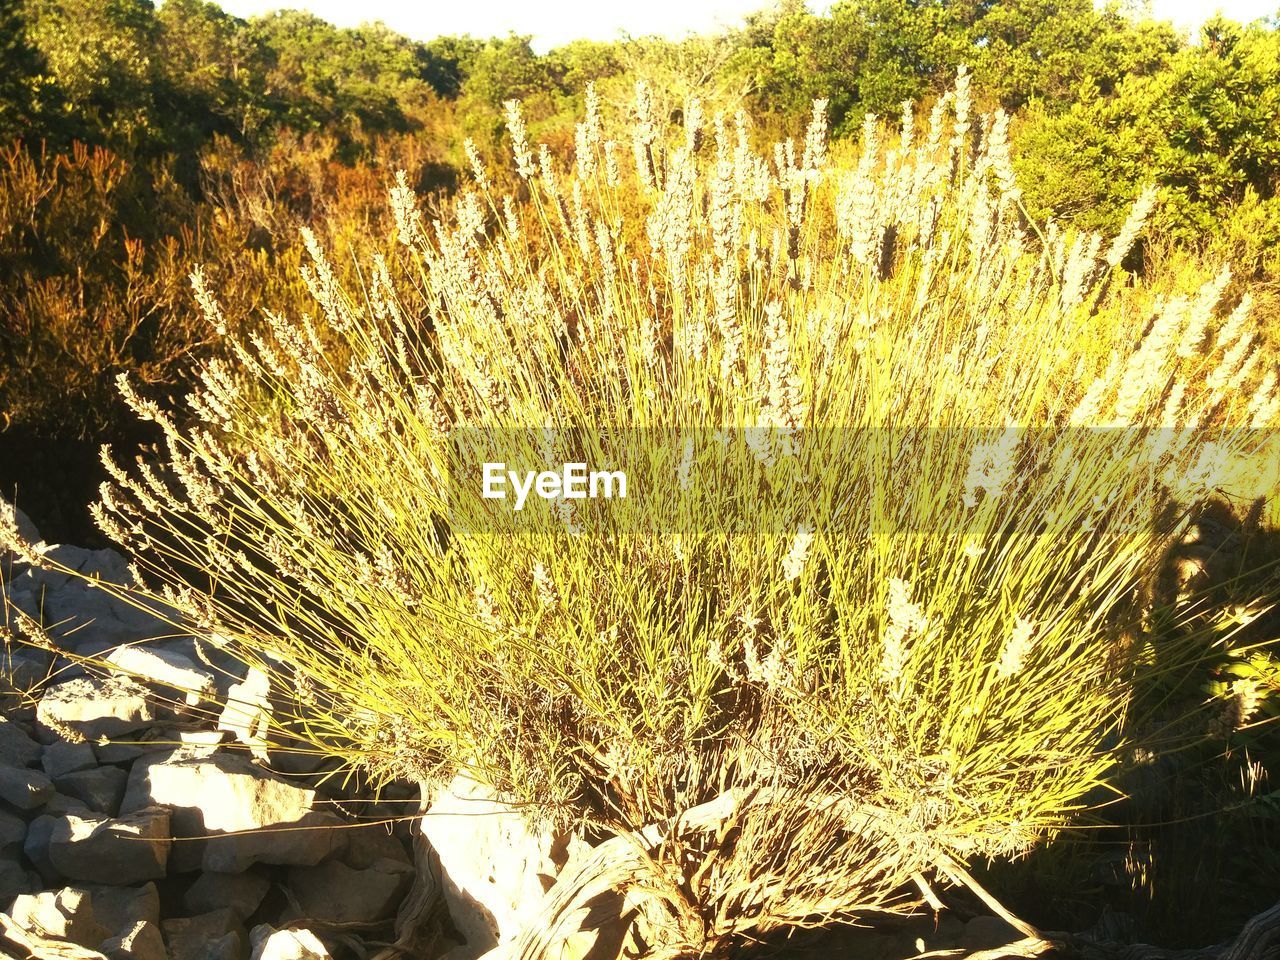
(991, 467)
(686, 463)
(794, 563)
(1016, 649)
(905, 619)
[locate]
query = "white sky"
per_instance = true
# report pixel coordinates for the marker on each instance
(554, 23)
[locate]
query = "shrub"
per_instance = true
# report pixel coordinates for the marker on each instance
(91, 289)
(1206, 129)
(878, 610)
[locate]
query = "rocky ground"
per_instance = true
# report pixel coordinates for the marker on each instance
(142, 817)
(139, 816)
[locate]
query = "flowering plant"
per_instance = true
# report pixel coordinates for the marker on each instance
(801, 707)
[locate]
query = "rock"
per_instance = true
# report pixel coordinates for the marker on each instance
(240, 892)
(64, 914)
(27, 531)
(129, 749)
(272, 944)
(23, 788)
(36, 846)
(490, 862)
(89, 614)
(217, 935)
(984, 933)
(196, 738)
(17, 749)
(247, 714)
(142, 941)
(43, 582)
(119, 909)
(296, 757)
(335, 893)
(59, 805)
(100, 788)
(177, 673)
(25, 668)
(309, 841)
(218, 796)
(14, 880)
(370, 844)
(60, 758)
(95, 708)
(118, 851)
(13, 831)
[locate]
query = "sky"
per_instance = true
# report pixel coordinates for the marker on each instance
(555, 23)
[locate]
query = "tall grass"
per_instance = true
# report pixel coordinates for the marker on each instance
(895, 628)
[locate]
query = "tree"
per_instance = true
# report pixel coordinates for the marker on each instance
(97, 68)
(20, 79)
(1206, 129)
(211, 70)
(446, 62)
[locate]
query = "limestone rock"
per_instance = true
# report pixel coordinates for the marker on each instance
(490, 862)
(93, 708)
(248, 815)
(119, 909)
(336, 893)
(13, 831)
(247, 714)
(370, 844)
(215, 793)
(985, 933)
(99, 788)
(24, 788)
(306, 842)
(272, 944)
(44, 582)
(25, 668)
(89, 616)
(17, 749)
(119, 851)
(27, 531)
(36, 846)
(240, 892)
(194, 738)
(142, 941)
(129, 748)
(59, 805)
(217, 935)
(60, 758)
(178, 675)
(14, 879)
(65, 914)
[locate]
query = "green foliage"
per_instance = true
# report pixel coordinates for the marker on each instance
(870, 55)
(97, 69)
(212, 75)
(19, 80)
(447, 62)
(148, 82)
(319, 77)
(1206, 129)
